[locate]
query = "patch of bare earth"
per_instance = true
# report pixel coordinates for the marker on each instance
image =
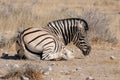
(99, 65)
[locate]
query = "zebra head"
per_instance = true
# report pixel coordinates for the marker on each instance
(80, 38)
(82, 43)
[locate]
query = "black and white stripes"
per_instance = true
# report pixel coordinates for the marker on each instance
(49, 42)
(71, 30)
(36, 44)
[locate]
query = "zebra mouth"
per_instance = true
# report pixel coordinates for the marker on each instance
(86, 51)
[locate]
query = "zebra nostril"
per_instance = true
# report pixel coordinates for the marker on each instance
(86, 51)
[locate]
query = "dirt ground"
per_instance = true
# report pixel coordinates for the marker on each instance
(99, 65)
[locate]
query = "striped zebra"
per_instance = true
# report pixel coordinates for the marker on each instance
(36, 43)
(71, 30)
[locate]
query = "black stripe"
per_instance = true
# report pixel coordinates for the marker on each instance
(57, 32)
(49, 27)
(48, 48)
(69, 36)
(19, 40)
(69, 30)
(43, 40)
(75, 39)
(77, 43)
(81, 38)
(31, 32)
(48, 43)
(72, 29)
(58, 27)
(63, 32)
(54, 29)
(73, 23)
(45, 57)
(18, 51)
(32, 52)
(26, 30)
(82, 42)
(17, 43)
(57, 46)
(66, 27)
(68, 19)
(36, 38)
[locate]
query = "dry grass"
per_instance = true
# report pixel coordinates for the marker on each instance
(103, 17)
(115, 72)
(28, 71)
(100, 32)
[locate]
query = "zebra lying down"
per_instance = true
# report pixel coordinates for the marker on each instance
(71, 30)
(37, 43)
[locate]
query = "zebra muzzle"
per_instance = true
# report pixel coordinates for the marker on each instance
(86, 51)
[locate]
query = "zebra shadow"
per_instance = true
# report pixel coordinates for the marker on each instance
(6, 56)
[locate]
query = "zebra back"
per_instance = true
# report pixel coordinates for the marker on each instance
(65, 29)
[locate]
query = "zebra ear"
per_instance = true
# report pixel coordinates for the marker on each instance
(85, 24)
(80, 25)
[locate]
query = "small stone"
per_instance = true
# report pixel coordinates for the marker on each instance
(118, 12)
(53, 64)
(78, 68)
(82, 74)
(65, 72)
(49, 68)
(51, 79)
(1, 49)
(24, 77)
(47, 71)
(112, 57)
(70, 78)
(16, 66)
(90, 78)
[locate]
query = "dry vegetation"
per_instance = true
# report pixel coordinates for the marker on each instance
(103, 17)
(27, 71)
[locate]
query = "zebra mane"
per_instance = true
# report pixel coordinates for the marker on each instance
(85, 22)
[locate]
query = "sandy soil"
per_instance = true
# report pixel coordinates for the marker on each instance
(100, 65)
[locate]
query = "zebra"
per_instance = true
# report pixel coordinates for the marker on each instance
(38, 44)
(71, 30)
